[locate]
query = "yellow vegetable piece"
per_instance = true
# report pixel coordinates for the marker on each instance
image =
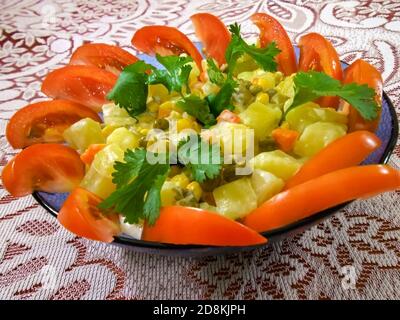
(124, 138)
(181, 180)
(266, 81)
(116, 116)
(183, 124)
(262, 118)
(265, 185)
(105, 159)
(98, 184)
(83, 133)
(276, 162)
(317, 136)
(235, 199)
(168, 193)
(158, 92)
(195, 187)
(262, 97)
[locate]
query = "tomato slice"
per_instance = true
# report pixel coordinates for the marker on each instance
(43, 167)
(104, 56)
(362, 72)
(86, 85)
(271, 30)
(317, 53)
(322, 193)
(80, 215)
(214, 35)
(347, 151)
(165, 41)
(184, 225)
(45, 122)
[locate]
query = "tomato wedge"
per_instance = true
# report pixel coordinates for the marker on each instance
(214, 35)
(318, 54)
(80, 215)
(322, 193)
(347, 151)
(43, 167)
(184, 225)
(88, 156)
(165, 41)
(45, 122)
(271, 30)
(86, 85)
(104, 56)
(362, 72)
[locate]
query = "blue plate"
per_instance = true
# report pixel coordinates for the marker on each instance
(387, 131)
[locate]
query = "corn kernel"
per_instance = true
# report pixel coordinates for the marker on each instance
(194, 186)
(153, 106)
(144, 132)
(183, 124)
(262, 97)
(181, 180)
(165, 109)
(266, 81)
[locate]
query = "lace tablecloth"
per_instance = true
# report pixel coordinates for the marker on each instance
(354, 254)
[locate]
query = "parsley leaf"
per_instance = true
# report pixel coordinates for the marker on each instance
(130, 91)
(214, 73)
(312, 85)
(198, 108)
(138, 187)
(176, 73)
(201, 158)
(222, 100)
(264, 57)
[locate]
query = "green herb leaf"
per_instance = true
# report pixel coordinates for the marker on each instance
(138, 187)
(214, 73)
(130, 91)
(201, 158)
(222, 100)
(312, 85)
(176, 73)
(198, 108)
(264, 57)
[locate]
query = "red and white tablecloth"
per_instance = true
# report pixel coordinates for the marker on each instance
(354, 254)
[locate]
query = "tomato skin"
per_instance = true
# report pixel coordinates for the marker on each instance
(214, 35)
(184, 225)
(43, 117)
(103, 56)
(80, 215)
(322, 193)
(318, 54)
(43, 167)
(347, 151)
(271, 30)
(362, 72)
(165, 40)
(86, 85)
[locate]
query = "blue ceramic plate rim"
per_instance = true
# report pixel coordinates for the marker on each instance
(271, 235)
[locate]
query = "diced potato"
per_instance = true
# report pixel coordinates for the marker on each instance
(235, 199)
(208, 207)
(232, 137)
(262, 118)
(265, 185)
(83, 133)
(124, 138)
(302, 116)
(276, 162)
(317, 136)
(168, 193)
(266, 80)
(104, 160)
(116, 116)
(284, 93)
(134, 230)
(98, 184)
(210, 88)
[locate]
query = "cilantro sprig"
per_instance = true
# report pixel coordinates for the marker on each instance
(312, 85)
(264, 57)
(131, 89)
(198, 108)
(200, 157)
(138, 190)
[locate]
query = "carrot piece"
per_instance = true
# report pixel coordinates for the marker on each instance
(285, 138)
(88, 156)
